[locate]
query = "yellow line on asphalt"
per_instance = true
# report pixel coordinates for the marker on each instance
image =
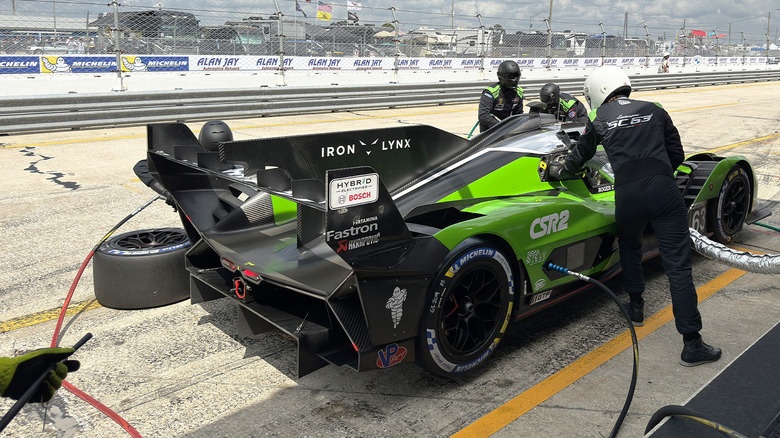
(519, 405)
(704, 107)
(742, 143)
(46, 315)
(86, 140)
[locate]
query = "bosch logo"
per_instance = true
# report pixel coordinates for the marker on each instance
(359, 196)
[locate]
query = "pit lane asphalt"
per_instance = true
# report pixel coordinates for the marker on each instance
(181, 370)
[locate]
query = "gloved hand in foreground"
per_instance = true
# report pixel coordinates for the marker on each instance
(17, 374)
(557, 172)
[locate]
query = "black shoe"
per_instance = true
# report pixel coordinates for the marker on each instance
(696, 352)
(636, 312)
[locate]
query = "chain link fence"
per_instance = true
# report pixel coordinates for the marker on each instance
(347, 29)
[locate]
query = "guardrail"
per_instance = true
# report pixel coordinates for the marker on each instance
(63, 112)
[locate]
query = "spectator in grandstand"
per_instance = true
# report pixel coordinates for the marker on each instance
(565, 106)
(502, 99)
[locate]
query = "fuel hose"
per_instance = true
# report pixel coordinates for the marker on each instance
(553, 267)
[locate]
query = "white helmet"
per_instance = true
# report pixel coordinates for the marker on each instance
(603, 83)
(666, 54)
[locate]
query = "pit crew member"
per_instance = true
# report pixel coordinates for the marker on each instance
(502, 99)
(565, 106)
(644, 148)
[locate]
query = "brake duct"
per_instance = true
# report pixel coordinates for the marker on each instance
(759, 264)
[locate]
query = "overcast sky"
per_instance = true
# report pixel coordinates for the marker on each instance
(662, 17)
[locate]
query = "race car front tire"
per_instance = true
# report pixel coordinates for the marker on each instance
(142, 269)
(728, 211)
(469, 308)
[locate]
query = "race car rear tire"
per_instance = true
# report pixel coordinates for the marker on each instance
(468, 311)
(727, 213)
(142, 269)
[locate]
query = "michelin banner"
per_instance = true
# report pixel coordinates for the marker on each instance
(20, 64)
(141, 63)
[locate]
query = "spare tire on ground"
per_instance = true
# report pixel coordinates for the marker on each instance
(142, 269)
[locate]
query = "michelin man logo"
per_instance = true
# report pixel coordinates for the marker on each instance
(395, 304)
(136, 65)
(59, 66)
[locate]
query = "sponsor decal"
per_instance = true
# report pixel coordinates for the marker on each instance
(20, 64)
(367, 64)
(350, 149)
(155, 63)
(552, 223)
(535, 257)
(610, 61)
(629, 121)
(487, 252)
(148, 251)
(441, 63)
(351, 191)
(217, 63)
(627, 61)
(56, 64)
(324, 64)
(470, 63)
(360, 242)
(569, 62)
(592, 61)
(526, 62)
(391, 355)
(337, 151)
(395, 305)
(697, 60)
(352, 231)
(409, 63)
(605, 188)
(539, 284)
(540, 297)
(433, 346)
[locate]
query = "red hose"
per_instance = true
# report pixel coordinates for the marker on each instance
(67, 385)
(54, 341)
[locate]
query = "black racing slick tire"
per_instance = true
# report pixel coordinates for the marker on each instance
(468, 309)
(728, 211)
(142, 269)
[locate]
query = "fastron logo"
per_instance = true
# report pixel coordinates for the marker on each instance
(552, 223)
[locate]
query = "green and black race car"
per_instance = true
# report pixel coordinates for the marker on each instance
(378, 247)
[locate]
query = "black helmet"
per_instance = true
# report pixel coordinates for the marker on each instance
(550, 93)
(508, 74)
(213, 133)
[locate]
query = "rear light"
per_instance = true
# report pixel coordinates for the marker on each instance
(227, 264)
(251, 276)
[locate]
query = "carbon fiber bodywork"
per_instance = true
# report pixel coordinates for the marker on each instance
(335, 239)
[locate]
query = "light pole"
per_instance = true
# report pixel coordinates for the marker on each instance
(549, 35)
(768, 19)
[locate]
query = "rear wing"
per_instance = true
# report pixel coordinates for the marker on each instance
(246, 183)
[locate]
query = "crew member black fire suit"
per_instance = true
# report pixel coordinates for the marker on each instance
(644, 148)
(497, 103)
(569, 109)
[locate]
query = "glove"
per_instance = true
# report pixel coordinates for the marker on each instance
(19, 373)
(557, 172)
